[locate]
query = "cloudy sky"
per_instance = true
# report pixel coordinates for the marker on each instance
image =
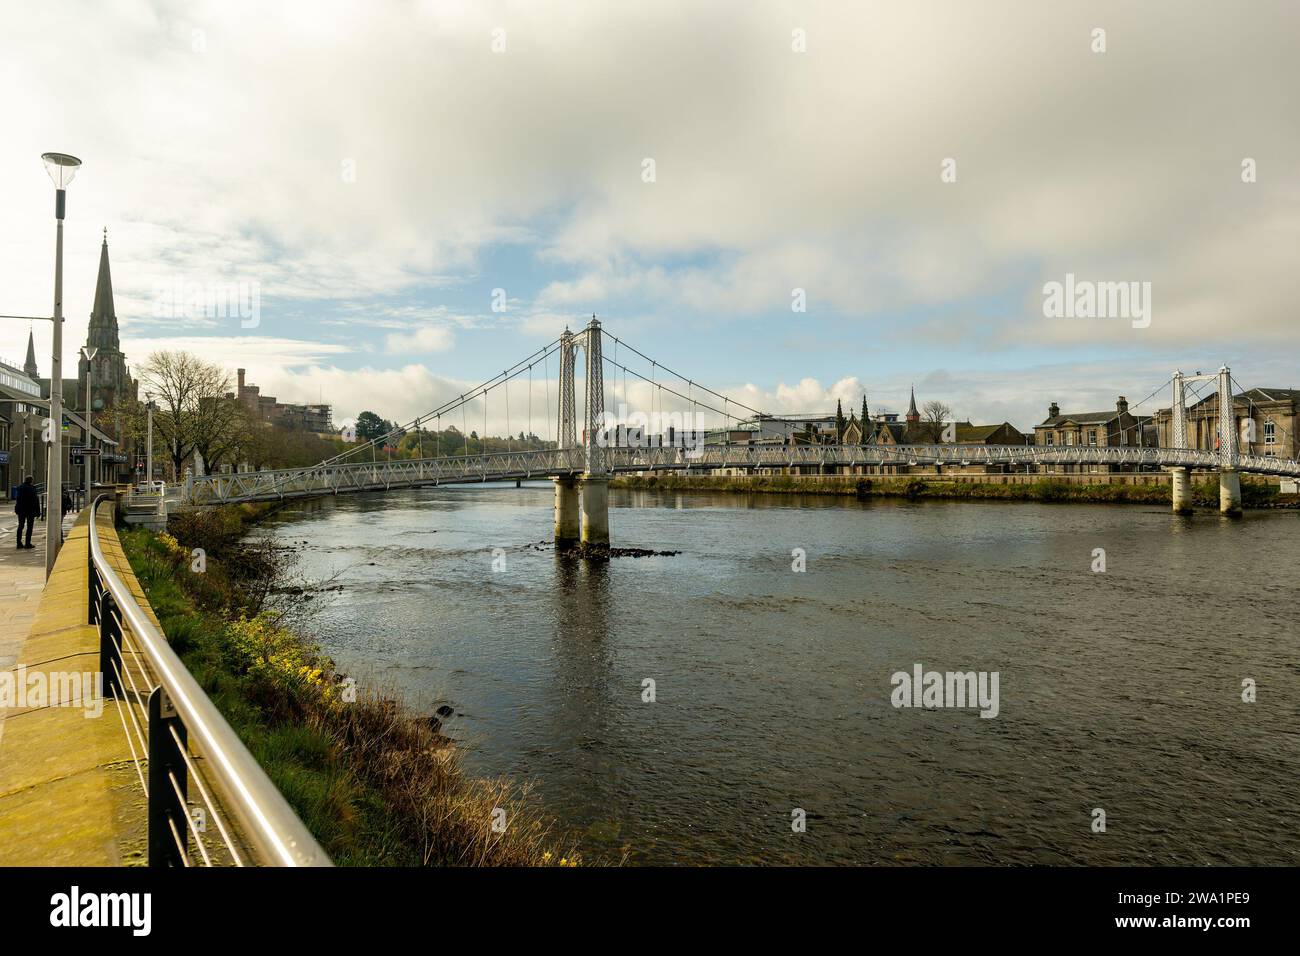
(376, 170)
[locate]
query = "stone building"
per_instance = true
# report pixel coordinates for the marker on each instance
(266, 409)
(111, 381)
(1112, 428)
(24, 403)
(21, 419)
(1003, 434)
(1266, 419)
(112, 386)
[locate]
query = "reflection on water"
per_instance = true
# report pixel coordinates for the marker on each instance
(1119, 690)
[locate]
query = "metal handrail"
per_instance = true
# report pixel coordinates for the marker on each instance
(364, 476)
(268, 823)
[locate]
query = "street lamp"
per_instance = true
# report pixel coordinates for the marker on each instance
(26, 419)
(90, 411)
(62, 168)
(148, 446)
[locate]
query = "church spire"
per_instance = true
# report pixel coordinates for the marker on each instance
(103, 317)
(30, 365)
(912, 414)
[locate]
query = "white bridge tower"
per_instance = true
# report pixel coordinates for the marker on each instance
(582, 504)
(1225, 443)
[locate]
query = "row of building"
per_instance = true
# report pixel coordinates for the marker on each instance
(1266, 421)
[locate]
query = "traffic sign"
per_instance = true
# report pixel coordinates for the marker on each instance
(83, 452)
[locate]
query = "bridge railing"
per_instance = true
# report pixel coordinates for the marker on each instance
(365, 475)
(178, 737)
(403, 473)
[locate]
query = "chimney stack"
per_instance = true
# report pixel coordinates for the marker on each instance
(1053, 410)
(241, 383)
(1121, 406)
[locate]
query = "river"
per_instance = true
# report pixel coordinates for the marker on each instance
(1119, 691)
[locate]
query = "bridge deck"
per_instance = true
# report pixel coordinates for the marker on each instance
(351, 477)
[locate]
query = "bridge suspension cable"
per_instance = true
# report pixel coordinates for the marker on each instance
(479, 391)
(688, 398)
(461, 401)
(691, 384)
(1138, 424)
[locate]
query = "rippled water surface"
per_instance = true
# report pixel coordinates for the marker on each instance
(1118, 690)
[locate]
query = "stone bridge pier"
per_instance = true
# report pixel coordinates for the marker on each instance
(595, 510)
(567, 526)
(581, 511)
(1230, 493)
(1180, 491)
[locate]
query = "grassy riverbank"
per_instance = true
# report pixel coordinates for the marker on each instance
(1205, 494)
(375, 783)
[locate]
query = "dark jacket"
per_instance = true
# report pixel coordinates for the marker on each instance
(28, 503)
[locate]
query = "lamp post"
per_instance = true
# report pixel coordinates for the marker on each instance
(26, 419)
(148, 445)
(90, 411)
(62, 168)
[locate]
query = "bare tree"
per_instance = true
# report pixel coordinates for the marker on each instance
(259, 446)
(221, 430)
(191, 397)
(934, 416)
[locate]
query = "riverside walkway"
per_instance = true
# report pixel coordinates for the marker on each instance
(111, 754)
(22, 579)
(69, 791)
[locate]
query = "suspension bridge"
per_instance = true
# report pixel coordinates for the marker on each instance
(581, 463)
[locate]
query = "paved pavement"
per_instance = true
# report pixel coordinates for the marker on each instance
(71, 793)
(22, 578)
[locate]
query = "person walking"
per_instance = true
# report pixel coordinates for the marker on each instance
(66, 506)
(27, 505)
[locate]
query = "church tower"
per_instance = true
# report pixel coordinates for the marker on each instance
(111, 382)
(30, 365)
(913, 416)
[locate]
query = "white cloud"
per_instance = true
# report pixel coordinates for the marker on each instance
(428, 339)
(349, 152)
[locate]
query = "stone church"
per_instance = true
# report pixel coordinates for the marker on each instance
(111, 384)
(111, 381)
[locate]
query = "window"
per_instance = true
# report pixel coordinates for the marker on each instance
(1050, 438)
(22, 384)
(1092, 436)
(1270, 433)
